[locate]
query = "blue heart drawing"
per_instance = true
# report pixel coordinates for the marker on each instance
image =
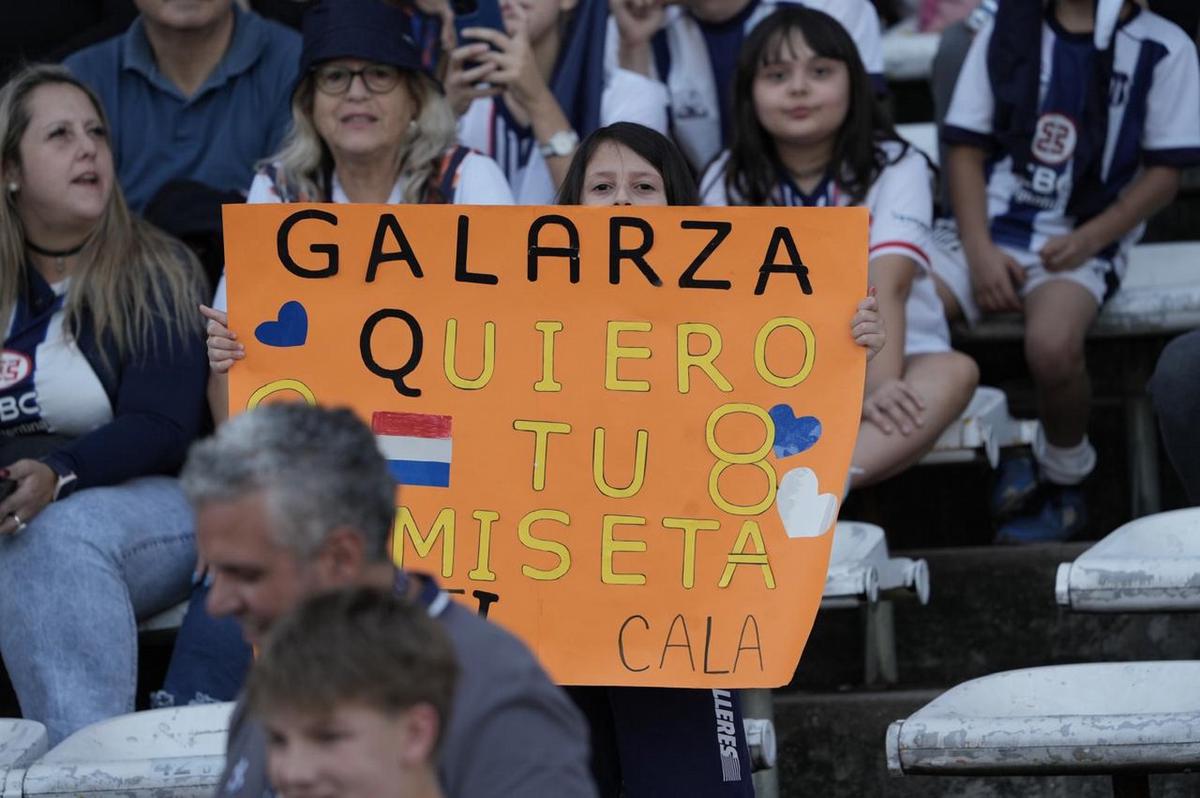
(290, 329)
(793, 435)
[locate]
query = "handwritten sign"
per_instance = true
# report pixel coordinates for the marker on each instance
(620, 433)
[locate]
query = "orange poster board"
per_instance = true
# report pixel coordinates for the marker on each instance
(602, 416)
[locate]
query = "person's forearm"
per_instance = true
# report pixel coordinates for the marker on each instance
(218, 397)
(968, 194)
(892, 276)
(1153, 190)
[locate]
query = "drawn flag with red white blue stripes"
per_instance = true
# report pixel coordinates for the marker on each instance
(416, 446)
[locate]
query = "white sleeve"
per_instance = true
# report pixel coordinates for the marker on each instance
(972, 107)
(480, 182)
(901, 205)
(712, 185)
(262, 190)
(220, 296)
(631, 97)
(861, 21)
(473, 125)
(1171, 134)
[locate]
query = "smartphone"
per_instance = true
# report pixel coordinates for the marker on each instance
(476, 14)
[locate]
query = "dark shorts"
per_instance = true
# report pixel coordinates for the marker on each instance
(651, 742)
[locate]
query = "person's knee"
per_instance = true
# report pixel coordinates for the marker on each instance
(964, 374)
(953, 377)
(66, 535)
(54, 542)
(1054, 354)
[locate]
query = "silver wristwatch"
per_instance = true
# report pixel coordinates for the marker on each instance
(560, 144)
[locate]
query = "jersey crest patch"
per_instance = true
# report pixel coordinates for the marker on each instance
(1054, 139)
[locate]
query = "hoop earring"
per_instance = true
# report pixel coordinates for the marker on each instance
(13, 188)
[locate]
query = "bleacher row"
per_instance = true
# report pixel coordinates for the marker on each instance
(1122, 719)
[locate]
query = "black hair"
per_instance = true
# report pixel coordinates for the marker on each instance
(753, 167)
(658, 150)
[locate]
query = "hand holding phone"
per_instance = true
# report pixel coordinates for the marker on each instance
(514, 68)
(476, 14)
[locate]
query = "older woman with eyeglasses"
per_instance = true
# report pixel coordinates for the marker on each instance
(369, 125)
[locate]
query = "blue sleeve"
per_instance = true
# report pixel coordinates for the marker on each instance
(285, 55)
(158, 411)
(92, 64)
(281, 123)
(96, 67)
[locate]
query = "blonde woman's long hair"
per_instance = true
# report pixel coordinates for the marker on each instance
(131, 275)
(305, 162)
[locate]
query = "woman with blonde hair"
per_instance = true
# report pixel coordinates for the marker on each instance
(368, 125)
(101, 392)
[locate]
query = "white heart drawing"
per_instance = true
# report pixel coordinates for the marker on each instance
(805, 512)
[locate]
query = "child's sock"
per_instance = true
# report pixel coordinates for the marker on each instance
(1064, 465)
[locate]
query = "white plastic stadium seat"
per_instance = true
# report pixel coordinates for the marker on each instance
(1110, 718)
(167, 619)
(178, 751)
(908, 53)
(862, 574)
(860, 567)
(21, 742)
(985, 425)
(1151, 564)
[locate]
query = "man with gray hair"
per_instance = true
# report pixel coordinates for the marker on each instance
(294, 500)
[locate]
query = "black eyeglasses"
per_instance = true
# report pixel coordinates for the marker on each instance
(378, 78)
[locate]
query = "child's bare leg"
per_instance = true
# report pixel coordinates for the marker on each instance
(1058, 314)
(949, 300)
(946, 381)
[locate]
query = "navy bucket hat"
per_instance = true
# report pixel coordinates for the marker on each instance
(367, 29)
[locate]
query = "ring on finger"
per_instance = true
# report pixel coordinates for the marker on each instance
(20, 524)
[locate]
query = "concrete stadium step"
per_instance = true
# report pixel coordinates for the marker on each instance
(832, 745)
(992, 608)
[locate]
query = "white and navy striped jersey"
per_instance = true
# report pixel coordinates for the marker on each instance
(488, 127)
(697, 62)
(901, 205)
(1153, 119)
(47, 383)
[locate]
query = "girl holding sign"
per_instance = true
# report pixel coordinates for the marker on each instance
(652, 741)
(808, 132)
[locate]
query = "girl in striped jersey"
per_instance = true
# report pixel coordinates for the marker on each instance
(808, 131)
(1068, 126)
(655, 741)
(526, 95)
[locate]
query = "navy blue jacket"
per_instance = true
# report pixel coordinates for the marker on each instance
(157, 398)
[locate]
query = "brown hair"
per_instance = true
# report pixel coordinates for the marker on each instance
(134, 274)
(357, 645)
